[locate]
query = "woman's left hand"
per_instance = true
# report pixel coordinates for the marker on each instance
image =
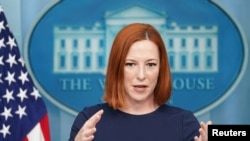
(203, 132)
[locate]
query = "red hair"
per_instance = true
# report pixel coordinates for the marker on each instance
(114, 93)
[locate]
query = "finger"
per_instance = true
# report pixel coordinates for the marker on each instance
(82, 136)
(203, 134)
(94, 119)
(209, 122)
(89, 132)
(89, 138)
(204, 126)
(196, 138)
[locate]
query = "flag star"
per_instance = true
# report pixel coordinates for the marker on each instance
(5, 130)
(7, 113)
(21, 61)
(10, 77)
(11, 60)
(23, 77)
(11, 42)
(2, 26)
(1, 78)
(22, 94)
(1, 60)
(2, 43)
(35, 93)
(21, 111)
(1, 9)
(8, 96)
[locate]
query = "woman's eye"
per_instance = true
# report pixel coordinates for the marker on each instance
(151, 64)
(129, 64)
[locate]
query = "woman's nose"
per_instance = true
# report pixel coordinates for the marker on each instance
(141, 75)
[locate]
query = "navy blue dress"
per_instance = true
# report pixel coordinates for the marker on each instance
(167, 123)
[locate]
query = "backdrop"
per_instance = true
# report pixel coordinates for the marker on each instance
(27, 19)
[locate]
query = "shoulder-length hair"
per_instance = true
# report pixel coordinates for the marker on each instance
(114, 93)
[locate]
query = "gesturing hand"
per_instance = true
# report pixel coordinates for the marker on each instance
(203, 132)
(88, 129)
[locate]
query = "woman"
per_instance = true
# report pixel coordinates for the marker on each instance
(137, 87)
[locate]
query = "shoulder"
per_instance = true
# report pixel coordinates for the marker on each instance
(173, 109)
(186, 118)
(90, 110)
(177, 111)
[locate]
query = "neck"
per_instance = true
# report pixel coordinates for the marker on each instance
(138, 108)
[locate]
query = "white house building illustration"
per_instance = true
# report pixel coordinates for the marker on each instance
(85, 50)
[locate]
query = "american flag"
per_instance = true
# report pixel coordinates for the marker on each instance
(23, 114)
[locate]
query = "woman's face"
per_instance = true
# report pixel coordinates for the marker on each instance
(141, 71)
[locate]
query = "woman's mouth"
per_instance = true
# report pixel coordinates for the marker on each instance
(140, 88)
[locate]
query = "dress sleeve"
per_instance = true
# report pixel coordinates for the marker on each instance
(80, 119)
(190, 126)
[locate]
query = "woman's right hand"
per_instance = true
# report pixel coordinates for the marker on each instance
(86, 133)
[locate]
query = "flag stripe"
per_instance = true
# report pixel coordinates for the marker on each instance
(25, 139)
(36, 133)
(45, 129)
